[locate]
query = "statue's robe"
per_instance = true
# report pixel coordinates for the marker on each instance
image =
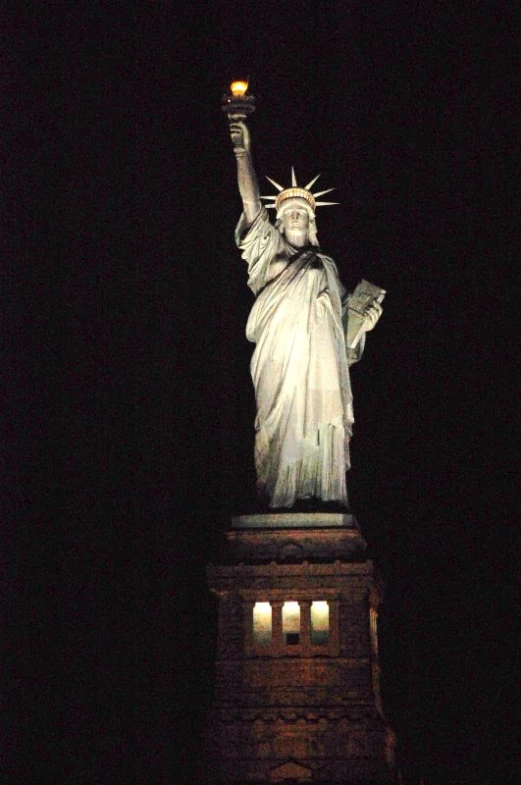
(299, 367)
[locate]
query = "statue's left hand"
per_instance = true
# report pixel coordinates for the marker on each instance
(372, 314)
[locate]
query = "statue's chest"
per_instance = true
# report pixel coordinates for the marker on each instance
(277, 266)
(309, 262)
(307, 271)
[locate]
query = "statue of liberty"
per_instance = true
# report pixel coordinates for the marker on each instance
(300, 365)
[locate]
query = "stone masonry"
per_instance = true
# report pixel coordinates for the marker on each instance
(294, 709)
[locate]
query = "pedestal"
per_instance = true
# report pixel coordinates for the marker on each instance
(297, 694)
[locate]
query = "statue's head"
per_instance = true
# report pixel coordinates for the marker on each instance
(296, 221)
(295, 208)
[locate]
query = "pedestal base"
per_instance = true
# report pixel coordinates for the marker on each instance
(297, 694)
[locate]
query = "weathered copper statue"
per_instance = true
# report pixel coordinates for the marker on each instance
(300, 366)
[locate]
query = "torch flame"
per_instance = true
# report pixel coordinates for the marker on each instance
(238, 88)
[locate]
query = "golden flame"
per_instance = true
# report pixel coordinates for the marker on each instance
(238, 88)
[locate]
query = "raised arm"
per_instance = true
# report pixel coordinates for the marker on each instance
(246, 177)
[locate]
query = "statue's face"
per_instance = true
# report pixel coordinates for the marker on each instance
(295, 223)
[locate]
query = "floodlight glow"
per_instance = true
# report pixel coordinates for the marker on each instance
(262, 623)
(319, 622)
(320, 615)
(291, 617)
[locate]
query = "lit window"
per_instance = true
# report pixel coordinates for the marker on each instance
(291, 623)
(319, 623)
(373, 618)
(262, 623)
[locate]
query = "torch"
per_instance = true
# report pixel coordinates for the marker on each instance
(237, 104)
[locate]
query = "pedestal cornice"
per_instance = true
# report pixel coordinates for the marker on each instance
(295, 538)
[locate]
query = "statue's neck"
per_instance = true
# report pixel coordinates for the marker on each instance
(297, 239)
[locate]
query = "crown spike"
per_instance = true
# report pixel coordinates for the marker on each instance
(313, 181)
(296, 192)
(277, 186)
(321, 193)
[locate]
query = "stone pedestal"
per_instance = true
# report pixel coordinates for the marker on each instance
(297, 694)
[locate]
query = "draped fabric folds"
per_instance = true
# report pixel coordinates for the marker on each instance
(299, 367)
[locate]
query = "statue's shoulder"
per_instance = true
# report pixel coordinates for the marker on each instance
(261, 223)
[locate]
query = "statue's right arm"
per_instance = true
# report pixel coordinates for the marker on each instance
(246, 177)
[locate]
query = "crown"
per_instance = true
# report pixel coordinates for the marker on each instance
(296, 192)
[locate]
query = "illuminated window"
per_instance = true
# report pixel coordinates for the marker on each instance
(291, 623)
(319, 623)
(262, 623)
(373, 618)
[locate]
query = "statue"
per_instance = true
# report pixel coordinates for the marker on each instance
(300, 365)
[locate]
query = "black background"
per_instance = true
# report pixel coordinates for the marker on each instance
(131, 429)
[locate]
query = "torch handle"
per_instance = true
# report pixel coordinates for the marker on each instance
(236, 117)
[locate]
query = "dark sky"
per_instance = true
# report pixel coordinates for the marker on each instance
(131, 433)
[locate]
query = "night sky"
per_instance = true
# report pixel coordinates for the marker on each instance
(130, 440)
